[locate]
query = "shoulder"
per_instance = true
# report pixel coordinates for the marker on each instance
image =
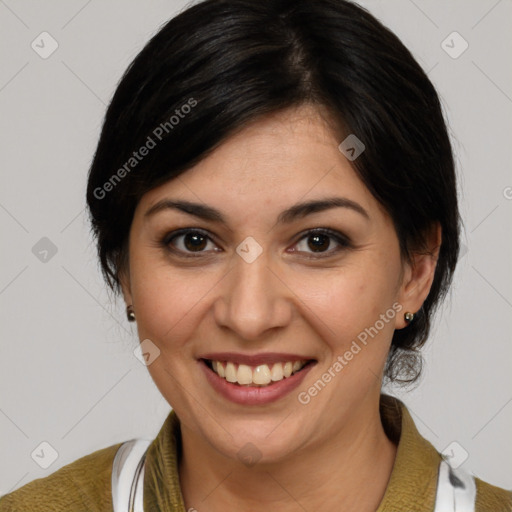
(489, 497)
(84, 484)
(416, 472)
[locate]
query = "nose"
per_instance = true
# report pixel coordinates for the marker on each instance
(254, 300)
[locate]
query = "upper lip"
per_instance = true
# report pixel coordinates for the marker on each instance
(254, 359)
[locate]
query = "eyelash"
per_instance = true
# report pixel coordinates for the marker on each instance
(342, 240)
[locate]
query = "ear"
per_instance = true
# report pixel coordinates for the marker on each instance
(124, 281)
(418, 275)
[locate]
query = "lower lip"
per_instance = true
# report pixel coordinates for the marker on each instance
(253, 395)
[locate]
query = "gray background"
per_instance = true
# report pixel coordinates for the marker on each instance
(68, 374)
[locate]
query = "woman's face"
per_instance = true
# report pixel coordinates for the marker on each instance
(248, 288)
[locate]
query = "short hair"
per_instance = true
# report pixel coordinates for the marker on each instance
(221, 64)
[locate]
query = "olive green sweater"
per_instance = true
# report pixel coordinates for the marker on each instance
(85, 484)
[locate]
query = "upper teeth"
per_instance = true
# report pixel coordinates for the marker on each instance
(259, 375)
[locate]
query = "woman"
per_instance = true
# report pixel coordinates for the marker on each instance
(274, 195)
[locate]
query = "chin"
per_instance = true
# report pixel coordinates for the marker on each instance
(259, 442)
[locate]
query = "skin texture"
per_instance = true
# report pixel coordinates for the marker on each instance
(323, 454)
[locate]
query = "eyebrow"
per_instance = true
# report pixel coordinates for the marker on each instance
(289, 215)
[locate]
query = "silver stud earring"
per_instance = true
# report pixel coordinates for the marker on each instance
(409, 317)
(130, 313)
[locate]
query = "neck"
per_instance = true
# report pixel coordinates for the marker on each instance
(334, 475)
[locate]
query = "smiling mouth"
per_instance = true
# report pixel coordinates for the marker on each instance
(262, 375)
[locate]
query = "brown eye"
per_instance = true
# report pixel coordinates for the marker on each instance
(188, 241)
(318, 243)
(194, 241)
(322, 241)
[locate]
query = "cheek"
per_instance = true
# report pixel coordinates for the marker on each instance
(348, 302)
(168, 303)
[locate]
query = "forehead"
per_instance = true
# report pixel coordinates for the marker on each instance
(276, 160)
